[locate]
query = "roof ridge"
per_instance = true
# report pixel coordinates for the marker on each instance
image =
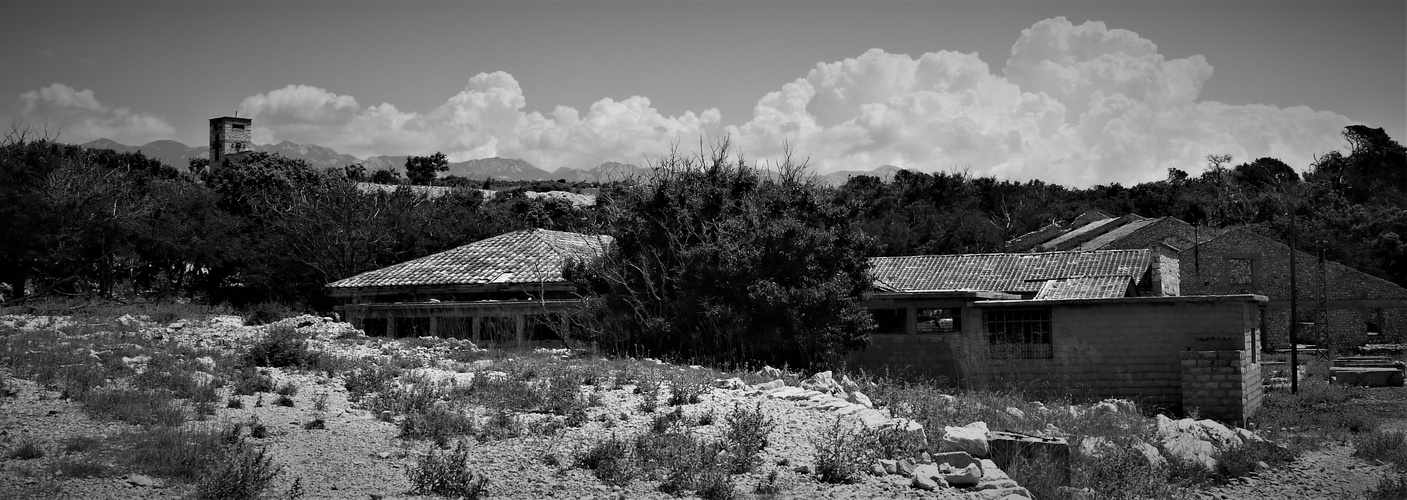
(1015, 254)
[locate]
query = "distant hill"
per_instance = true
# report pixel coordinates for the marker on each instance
(605, 172)
(838, 178)
(317, 156)
(509, 169)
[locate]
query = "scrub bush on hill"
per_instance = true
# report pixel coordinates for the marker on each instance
(717, 259)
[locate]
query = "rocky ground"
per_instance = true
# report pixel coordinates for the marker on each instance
(358, 455)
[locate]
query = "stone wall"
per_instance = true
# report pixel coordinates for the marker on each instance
(1354, 298)
(1222, 385)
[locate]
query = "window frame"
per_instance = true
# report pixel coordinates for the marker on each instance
(1024, 333)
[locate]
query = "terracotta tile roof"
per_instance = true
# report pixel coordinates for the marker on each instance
(526, 256)
(1003, 272)
(1089, 287)
(1081, 234)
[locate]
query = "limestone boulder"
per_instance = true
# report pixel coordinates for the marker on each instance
(962, 476)
(971, 438)
(769, 386)
(770, 372)
(928, 477)
(860, 398)
(734, 383)
(823, 382)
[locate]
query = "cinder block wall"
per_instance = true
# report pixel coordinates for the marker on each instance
(1223, 385)
(1125, 348)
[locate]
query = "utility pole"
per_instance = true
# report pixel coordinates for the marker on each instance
(1294, 311)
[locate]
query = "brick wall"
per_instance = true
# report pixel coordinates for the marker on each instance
(1353, 297)
(1222, 385)
(1127, 347)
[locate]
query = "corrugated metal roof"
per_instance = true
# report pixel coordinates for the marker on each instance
(526, 256)
(1115, 234)
(1003, 272)
(1089, 287)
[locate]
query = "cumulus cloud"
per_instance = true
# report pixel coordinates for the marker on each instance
(79, 117)
(1075, 104)
(485, 119)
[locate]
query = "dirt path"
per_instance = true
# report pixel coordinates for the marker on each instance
(1331, 472)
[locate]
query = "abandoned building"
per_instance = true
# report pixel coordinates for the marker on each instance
(1339, 306)
(507, 289)
(1106, 323)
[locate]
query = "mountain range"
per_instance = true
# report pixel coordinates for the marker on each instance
(179, 155)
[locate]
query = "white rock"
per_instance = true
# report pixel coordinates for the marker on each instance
(770, 372)
(769, 386)
(1015, 412)
(1155, 459)
(137, 363)
(1190, 449)
(822, 382)
(860, 398)
(965, 476)
(928, 477)
(971, 438)
(206, 363)
(890, 466)
(1095, 446)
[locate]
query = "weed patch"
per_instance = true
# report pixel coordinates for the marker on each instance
(136, 407)
(1384, 445)
(745, 436)
(1389, 488)
(243, 474)
(447, 475)
(27, 450)
(841, 455)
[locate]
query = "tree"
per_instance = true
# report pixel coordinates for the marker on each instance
(355, 172)
(714, 259)
(386, 176)
(421, 170)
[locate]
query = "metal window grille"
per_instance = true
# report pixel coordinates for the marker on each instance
(1018, 333)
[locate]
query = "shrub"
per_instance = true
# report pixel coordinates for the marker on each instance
(649, 390)
(266, 312)
(284, 401)
(178, 452)
(841, 457)
(1384, 445)
(367, 380)
(235, 403)
(281, 347)
(745, 435)
(288, 389)
(439, 423)
(243, 474)
(687, 390)
(316, 424)
(27, 450)
(610, 461)
(447, 475)
(700, 267)
(1388, 488)
(769, 487)
(250, 381)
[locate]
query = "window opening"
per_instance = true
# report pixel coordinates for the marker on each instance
(1018, 333)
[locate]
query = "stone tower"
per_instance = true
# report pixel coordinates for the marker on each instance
(229, 139)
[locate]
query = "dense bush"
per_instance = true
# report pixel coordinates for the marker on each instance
(281, 347)
(715, 259)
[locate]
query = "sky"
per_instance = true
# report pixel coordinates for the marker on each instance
(1078, 93)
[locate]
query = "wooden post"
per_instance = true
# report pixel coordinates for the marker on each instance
(434, 325)
(566, 327)
(391, 327)
(474, 329)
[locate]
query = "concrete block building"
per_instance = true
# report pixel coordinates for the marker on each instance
(230, 137)
(1092, 323)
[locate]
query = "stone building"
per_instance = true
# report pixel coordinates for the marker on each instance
(507, 289)
(230, 137)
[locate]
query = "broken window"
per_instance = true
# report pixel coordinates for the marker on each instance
(945, 320)
(891, 321)
(1242, 272)
(1018, 333)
